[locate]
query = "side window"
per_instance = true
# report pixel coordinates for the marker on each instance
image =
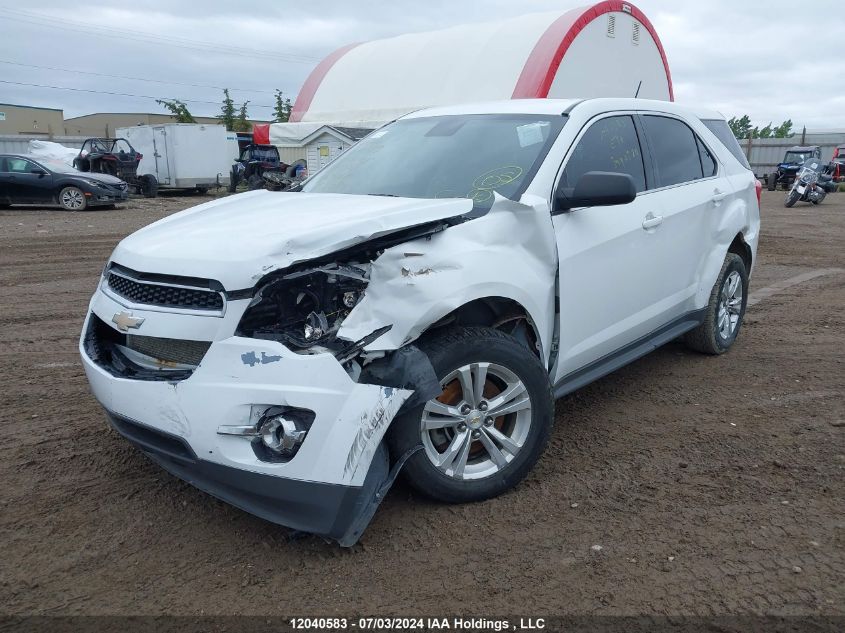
(609, 144)
(722, 132)
(708, 163)
(19, 165)
(674, 149)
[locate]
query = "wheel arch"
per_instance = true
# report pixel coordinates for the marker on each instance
(740, 247)
(501, 313)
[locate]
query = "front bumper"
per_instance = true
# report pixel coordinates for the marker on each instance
(105, 196)
(333, 511)
(314, 491)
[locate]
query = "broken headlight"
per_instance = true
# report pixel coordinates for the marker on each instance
(306, 307)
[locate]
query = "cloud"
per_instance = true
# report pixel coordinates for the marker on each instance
(724, 54)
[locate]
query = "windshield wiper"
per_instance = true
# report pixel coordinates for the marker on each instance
(384, 195)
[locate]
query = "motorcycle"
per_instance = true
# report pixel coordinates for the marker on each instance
(810, 185)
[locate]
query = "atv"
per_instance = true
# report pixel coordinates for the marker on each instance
(260, 166)
(115, 157)
(794, 158)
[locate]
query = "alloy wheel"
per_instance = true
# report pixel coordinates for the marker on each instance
(72, 199)
(730, 305)
(478, 424)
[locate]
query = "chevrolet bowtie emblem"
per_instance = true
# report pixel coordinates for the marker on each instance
(125, 320)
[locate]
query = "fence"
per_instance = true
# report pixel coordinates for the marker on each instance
(19, 143)
(764, 154)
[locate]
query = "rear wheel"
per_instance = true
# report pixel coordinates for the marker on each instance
(485, 431)
(255, 182)
(772, 182)
(792, 197)
(72, 199)
(725, 310)
(149, 185)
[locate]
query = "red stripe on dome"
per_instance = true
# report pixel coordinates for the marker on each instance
(309, 88)
(542, 65)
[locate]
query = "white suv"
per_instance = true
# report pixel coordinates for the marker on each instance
(421, 302)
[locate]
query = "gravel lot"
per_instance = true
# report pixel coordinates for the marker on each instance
(682, 484)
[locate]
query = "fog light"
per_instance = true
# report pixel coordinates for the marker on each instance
(281, 435)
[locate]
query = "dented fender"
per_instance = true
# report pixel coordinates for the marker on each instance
(509, 252)
(736, 219)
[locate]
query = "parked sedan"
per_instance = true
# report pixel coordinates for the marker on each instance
(29, 180)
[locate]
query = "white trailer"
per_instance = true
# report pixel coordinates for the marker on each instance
(184, 155)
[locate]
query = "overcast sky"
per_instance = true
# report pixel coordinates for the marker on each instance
(772, 60)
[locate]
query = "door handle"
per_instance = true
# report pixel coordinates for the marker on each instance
(652, 221)
(718, 196)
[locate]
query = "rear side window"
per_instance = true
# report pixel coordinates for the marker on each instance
(708, 163)
(674, 149)
(610, 144)
(722, 132)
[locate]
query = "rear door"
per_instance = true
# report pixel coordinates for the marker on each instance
(4, 178)
(690, 190)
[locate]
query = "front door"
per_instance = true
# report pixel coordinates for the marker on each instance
(25, 186)
(610, 284)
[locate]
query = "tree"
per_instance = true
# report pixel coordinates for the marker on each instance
(241, 122)
(227, 112)
(178, 109)
(742, 128)
(783, 130)
(281, 111)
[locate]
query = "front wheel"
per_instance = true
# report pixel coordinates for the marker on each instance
(725, 310)
(485, 431)
(792, 198)
(72, 199)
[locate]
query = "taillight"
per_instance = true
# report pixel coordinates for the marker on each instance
(758, 187)
(139, 156)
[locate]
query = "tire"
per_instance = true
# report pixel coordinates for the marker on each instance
(149, 185)
(81, 164)
(255, 182)
(72, 199)
(233, 181)
(792, 198)
(711, 337)
(474, 473)
(772, 182)
(202, 191)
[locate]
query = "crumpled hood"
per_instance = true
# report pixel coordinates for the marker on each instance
(238, 239)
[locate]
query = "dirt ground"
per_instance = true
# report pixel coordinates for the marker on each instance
(682, 484)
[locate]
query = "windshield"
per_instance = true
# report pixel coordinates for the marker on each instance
(796, 158)
(813, 165)
(55, 165)
(465, 156)
(260, 153)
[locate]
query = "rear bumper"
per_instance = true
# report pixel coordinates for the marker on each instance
(334, 511)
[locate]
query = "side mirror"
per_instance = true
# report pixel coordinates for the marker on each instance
(596, 189)
(39, 171)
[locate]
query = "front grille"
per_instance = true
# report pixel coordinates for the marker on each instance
(111, 350)
(168, 349)
(164, 295)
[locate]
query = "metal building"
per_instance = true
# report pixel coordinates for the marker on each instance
(607, 49)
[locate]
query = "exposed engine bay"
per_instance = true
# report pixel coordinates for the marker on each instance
(305, 308)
